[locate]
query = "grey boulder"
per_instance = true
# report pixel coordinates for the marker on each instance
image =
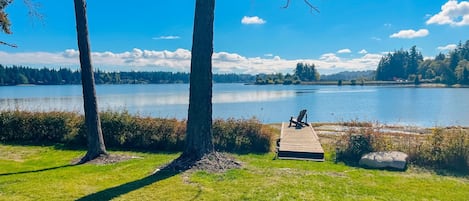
(384, 159)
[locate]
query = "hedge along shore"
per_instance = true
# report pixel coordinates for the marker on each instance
(122, 130)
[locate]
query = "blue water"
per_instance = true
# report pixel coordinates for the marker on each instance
(390, 105)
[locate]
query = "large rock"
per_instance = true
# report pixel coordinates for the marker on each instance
(385, 159)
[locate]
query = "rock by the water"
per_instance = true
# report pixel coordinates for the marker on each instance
(385, 159)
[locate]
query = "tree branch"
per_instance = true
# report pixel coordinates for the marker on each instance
(8, 44)
(33, 8)
(313, 8)
(288, 3)
(4, 21)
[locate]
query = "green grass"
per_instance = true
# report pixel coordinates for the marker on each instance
(43, 173)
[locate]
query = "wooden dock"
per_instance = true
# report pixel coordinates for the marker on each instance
(299, 144)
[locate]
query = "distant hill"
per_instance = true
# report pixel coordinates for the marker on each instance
(350, 75)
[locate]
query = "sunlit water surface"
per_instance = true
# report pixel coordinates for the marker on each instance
(390, 105)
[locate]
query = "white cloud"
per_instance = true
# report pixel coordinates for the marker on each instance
(387, 25)
(452, 13)
(252, 20)
(330, 57)
(268, 55)
(375, 38)
(166, 38)
(179, 61)
(71, 53)
(344, 51)
(227, 57)
(447, 47)
(408, 34)
(363, 51)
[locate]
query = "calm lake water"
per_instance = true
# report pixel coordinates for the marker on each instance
(390, 105)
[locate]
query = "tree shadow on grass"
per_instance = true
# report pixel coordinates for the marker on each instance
(111, 193)
(212, 162)
(166, 172)
(35, 171)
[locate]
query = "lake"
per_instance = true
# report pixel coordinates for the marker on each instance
(270, 103)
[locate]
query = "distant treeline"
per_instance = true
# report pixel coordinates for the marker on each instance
(350, 75)
(452, 68)
(17, 75)
(303, 73)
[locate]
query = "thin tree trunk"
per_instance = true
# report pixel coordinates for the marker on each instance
(199, 122)
(92, 121)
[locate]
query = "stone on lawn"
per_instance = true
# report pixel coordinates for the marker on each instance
(385, 159)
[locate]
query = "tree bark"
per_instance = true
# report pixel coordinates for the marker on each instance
(199, 121)
(92, 121)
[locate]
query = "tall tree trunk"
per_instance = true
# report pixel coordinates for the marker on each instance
(199, 120)
(92, 121)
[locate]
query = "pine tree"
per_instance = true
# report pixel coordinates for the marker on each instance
(92, 121)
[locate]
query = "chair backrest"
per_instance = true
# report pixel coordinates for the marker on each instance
(301, 116)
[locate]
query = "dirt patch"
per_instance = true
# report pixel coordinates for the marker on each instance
(213, 162)
(107, 159)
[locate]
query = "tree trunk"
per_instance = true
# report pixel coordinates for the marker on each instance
(92, 122)
(199, 120)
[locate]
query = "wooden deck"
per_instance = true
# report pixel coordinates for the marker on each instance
(299, 144)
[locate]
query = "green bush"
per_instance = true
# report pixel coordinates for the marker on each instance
(38, 126)
(125, 131)
(241, 136)
(353, 145)
(446, 149)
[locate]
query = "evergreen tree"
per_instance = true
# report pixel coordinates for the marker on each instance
(399, 65)
(462, 71)
(465, 51)
(454, 59)
(92, 120)
(199, 122)
(4, 21)
(306, 72)
(440, 57)
(415, 58)
(465, 75)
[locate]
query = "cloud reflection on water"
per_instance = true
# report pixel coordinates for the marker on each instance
(141, 100)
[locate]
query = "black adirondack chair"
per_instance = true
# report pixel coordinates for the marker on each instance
(298, 122)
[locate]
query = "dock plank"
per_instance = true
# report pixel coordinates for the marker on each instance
(302, 144)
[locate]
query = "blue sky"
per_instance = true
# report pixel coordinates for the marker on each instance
(251, 36)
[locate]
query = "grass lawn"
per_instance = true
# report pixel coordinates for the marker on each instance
(44, 173)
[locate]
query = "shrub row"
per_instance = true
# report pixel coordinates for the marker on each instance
(443, 149)
(125, 131)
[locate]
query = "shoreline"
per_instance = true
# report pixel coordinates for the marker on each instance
(377, 83)
(318, 83)
(328, 128)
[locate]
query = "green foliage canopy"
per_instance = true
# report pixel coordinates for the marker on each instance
(452, 68)
(307, 72)
(4, 21)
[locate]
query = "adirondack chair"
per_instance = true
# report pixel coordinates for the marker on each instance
(298, 122)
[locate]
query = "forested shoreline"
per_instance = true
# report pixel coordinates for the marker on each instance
(21, 75)
(450, 69)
